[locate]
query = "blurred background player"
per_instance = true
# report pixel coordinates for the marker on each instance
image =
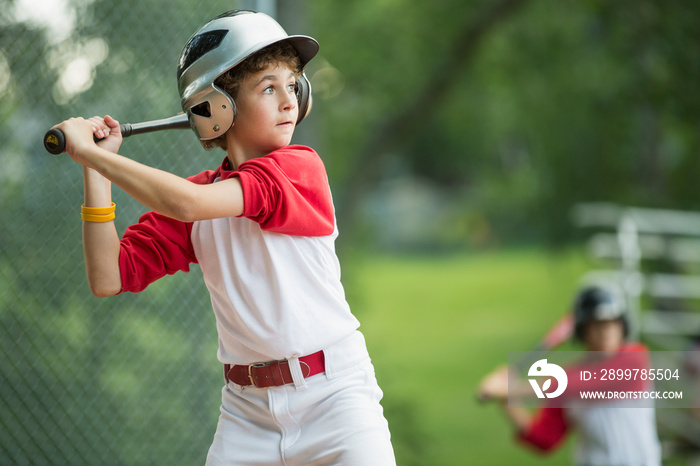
(609, 432)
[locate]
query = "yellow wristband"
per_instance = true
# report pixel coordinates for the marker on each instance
(98, 210)
(96, 218)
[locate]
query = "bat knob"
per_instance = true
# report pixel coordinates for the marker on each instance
(55, 141)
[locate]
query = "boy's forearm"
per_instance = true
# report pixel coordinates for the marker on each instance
(97, 189)
(156, 189)
(100, 240)
(169, 194)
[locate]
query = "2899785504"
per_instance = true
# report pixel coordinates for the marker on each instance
(630, 374)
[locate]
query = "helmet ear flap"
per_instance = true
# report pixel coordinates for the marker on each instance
(304, 100)
(625, 327)
(212, 115)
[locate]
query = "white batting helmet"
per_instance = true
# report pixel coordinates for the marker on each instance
(217, 47)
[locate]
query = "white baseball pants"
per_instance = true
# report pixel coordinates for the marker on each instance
(332, 418)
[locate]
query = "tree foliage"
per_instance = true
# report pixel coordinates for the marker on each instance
(560, 103)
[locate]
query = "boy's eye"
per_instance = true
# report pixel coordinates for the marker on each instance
(291, 87)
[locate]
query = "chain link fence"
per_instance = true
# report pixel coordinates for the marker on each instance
(131, 379)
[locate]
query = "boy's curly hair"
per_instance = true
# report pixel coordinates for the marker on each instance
(280, 53)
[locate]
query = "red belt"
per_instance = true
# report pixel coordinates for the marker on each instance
(273, 373)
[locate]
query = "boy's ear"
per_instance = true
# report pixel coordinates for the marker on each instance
(303, 97)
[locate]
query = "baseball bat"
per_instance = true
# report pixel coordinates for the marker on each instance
(55, 140)
(561, 331)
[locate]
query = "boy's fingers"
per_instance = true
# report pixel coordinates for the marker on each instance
(106, 126)
(99, 127)
(111, 122)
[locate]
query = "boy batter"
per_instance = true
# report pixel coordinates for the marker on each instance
(300, 387)
(611, 433)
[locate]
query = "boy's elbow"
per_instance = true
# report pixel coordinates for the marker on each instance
(184, 209)
(103, 290)
(184, 213)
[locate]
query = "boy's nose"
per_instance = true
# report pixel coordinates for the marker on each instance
(290, 101)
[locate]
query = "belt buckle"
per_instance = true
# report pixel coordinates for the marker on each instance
(250, 372)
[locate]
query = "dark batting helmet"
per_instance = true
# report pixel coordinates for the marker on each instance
(217, 47)
(597, 303)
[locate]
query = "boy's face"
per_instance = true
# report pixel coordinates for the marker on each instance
(604, 335)
(266, 112)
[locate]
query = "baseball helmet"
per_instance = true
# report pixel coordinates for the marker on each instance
(597, 303)
(218, 46)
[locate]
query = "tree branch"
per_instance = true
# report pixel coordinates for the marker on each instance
(403, 128)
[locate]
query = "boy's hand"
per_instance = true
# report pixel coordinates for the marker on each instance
(79, 134)
(495, 385)
(107, 131)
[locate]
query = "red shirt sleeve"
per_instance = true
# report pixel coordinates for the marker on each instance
(287, 192)
(156, 246)
(548, 429)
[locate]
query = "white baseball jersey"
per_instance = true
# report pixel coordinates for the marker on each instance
(273, 275)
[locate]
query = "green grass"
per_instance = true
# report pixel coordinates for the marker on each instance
(436, 325)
